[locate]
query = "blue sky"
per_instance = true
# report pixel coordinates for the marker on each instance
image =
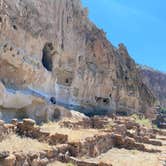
(139, 24)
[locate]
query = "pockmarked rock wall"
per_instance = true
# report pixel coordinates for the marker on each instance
(156, 81)
(52, 47)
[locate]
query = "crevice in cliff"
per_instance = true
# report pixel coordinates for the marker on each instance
(62, 44)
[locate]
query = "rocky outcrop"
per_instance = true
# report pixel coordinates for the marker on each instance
(20, 104)
(52, 47)
(15, 100)
(156, 82)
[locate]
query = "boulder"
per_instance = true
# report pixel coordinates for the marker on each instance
(40, 162)
(9, 161)
(129, 143)
(118, 140)
(14, 122)
(120, 129)
(29, 122)
(4, 154)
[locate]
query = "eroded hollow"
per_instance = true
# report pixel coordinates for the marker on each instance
(53, 100)
(47, 56)
(57, 113)
(14, 27)
(101, 100)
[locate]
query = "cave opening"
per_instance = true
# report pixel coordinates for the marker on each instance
(57, 113)
(67, 81)
(126, 78)
(53, 100)
(14, 27)
(101, 100)
(106, 101)
(47, 56)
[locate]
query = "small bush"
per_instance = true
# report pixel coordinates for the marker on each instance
(155, 126)
(142, 121)
(109, 125)
(163, 110)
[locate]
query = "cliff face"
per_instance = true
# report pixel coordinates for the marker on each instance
(52, 47)
(156, 81)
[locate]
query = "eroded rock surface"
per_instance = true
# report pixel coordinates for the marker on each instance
(18, 104)
(156, 81)
(51, 46)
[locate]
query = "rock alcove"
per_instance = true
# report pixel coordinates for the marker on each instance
(47, 56)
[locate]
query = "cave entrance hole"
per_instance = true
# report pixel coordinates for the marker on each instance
(47, 56)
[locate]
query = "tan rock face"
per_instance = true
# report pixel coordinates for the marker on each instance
(51, 46)
(156, 82)
(2, 93)
(20, 105)
(14, 100)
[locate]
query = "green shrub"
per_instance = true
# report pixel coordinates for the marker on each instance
(155, 126)
(142, 121)
(163, 110)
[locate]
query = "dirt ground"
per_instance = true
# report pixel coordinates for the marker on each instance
(123, 157)
(73, 134)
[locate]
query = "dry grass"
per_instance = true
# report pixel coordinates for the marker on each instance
(122, 157)
(142, 121)
(110, 124)
(57, 163)
(73, 134)
(14, 143)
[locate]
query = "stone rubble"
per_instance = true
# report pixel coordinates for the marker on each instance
(66, 151)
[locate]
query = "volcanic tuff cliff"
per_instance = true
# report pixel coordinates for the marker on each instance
(52, 47)
(156, 81)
